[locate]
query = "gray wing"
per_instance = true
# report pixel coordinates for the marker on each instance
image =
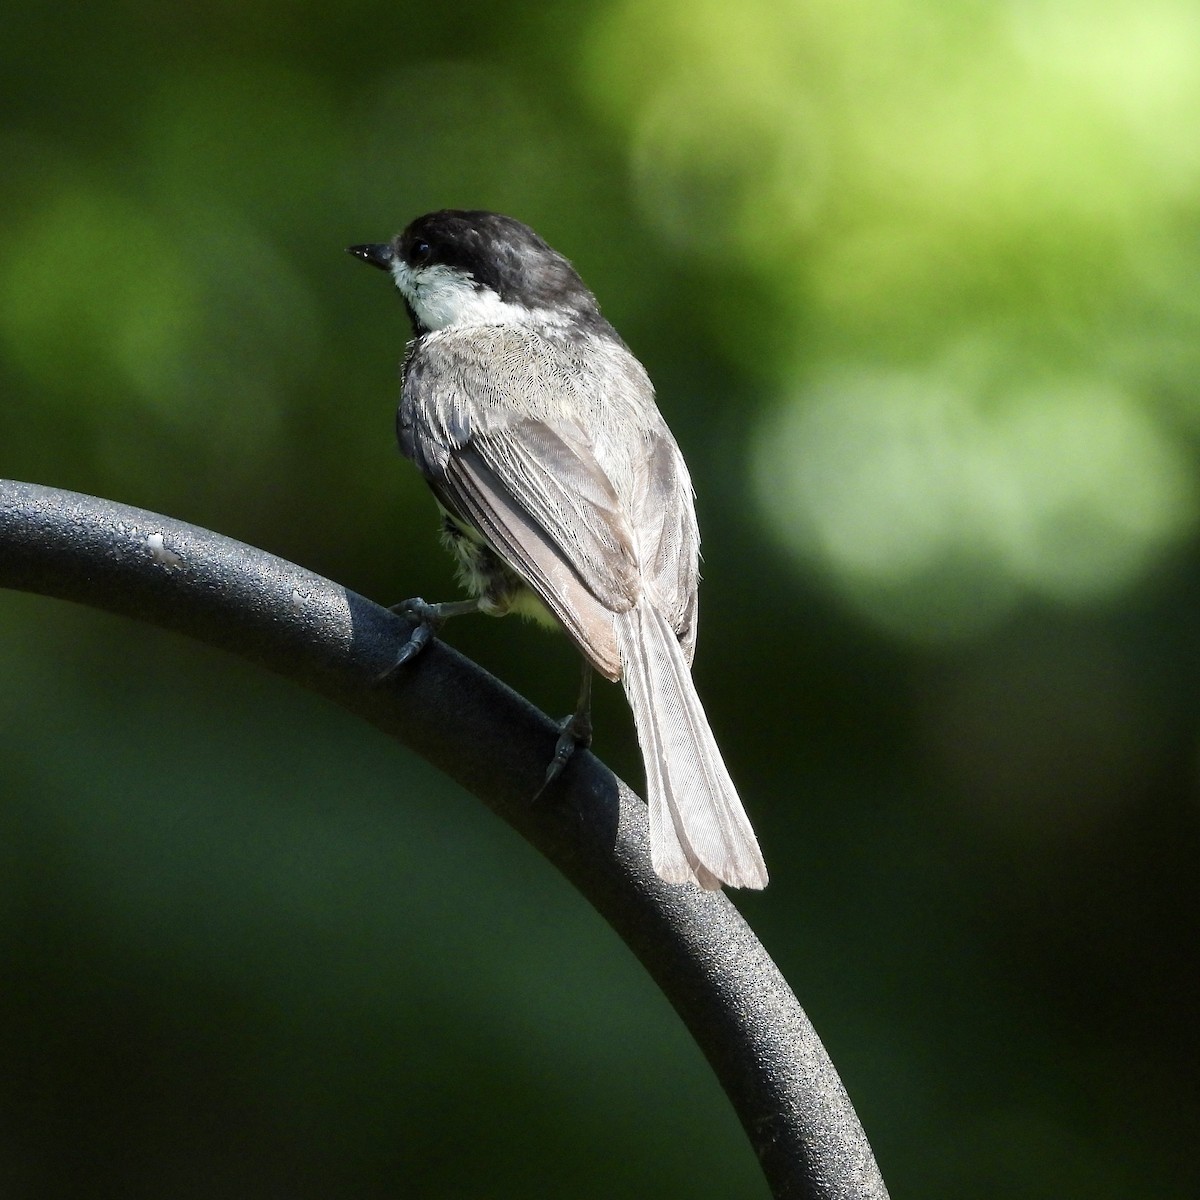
(588, 527)
(669, 538)
(546, 511)
(531, 484)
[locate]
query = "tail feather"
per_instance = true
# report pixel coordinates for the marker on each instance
(698, 828)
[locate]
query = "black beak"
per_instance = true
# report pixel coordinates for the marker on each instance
(376, 254)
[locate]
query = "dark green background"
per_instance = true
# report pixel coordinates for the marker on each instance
(917, 283)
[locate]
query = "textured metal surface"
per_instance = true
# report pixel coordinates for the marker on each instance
(696, 946)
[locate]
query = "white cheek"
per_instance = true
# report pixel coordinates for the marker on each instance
(442, 298)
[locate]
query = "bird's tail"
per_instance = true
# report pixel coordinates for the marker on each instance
(698, 828)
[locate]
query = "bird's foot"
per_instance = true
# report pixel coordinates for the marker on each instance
(574, 732)
(427, 620)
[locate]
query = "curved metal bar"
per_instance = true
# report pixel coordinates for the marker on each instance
(696, 946)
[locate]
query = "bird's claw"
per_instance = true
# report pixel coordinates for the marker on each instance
(427, 621)
(573, 733)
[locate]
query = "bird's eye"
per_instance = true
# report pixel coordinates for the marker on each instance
(420, 252)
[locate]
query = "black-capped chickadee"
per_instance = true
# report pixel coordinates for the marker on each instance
(564, 498)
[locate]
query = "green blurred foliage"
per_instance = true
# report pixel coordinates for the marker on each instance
(917, 281)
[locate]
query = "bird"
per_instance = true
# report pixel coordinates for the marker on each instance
(565, 498)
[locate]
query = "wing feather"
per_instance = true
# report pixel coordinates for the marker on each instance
(470, 488)
(588, 528)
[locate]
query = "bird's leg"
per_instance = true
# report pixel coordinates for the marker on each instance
(429, 619)
(575, 731)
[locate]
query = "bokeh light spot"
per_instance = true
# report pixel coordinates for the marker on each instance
(94, 288)
(933, 500)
